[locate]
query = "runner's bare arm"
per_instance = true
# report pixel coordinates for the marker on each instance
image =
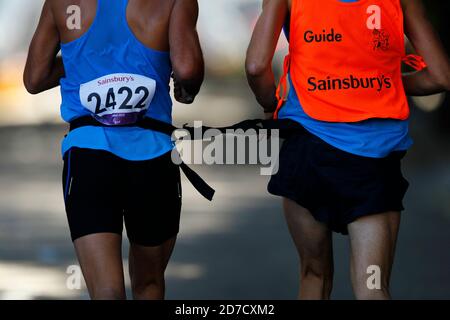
(185, 50)
(43, 68)
(261, 51)
(436, 77)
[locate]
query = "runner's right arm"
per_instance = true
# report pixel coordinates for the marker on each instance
(185, 50)
(43, 68)
(261, 52)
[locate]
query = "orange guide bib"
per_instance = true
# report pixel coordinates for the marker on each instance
(345, 59)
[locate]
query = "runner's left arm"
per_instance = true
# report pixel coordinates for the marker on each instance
(44, 69)
(261, 52)
(436, 77)
(185, 51)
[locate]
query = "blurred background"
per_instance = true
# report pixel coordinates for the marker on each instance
(237, 247)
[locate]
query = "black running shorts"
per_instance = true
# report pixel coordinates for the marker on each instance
(102, 191)
(335, 186)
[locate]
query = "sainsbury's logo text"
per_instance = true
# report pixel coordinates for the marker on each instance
(349, 83)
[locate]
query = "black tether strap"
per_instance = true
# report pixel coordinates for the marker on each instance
(286, 128)
(199, 184)
(145, 123)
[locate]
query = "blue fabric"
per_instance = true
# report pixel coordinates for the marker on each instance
(375, 138)
(109, 47)
(68, 176)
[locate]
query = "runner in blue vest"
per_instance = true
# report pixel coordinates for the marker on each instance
(116, 68)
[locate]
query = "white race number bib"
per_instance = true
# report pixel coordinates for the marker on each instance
(118, 99)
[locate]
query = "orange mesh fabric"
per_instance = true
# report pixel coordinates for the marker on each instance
(345, 60)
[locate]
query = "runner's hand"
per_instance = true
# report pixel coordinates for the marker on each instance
(181, 95)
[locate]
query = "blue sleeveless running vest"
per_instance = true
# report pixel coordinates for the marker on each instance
(114, 77)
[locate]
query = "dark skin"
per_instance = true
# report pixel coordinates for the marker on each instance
(43, 68)
(434, 79)
(372, 238)
(163, 25)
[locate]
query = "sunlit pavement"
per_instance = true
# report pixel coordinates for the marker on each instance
(234, 248)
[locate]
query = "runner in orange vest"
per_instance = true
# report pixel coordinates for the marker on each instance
(347, 90)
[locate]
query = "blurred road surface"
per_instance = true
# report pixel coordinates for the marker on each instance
(234, 248)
